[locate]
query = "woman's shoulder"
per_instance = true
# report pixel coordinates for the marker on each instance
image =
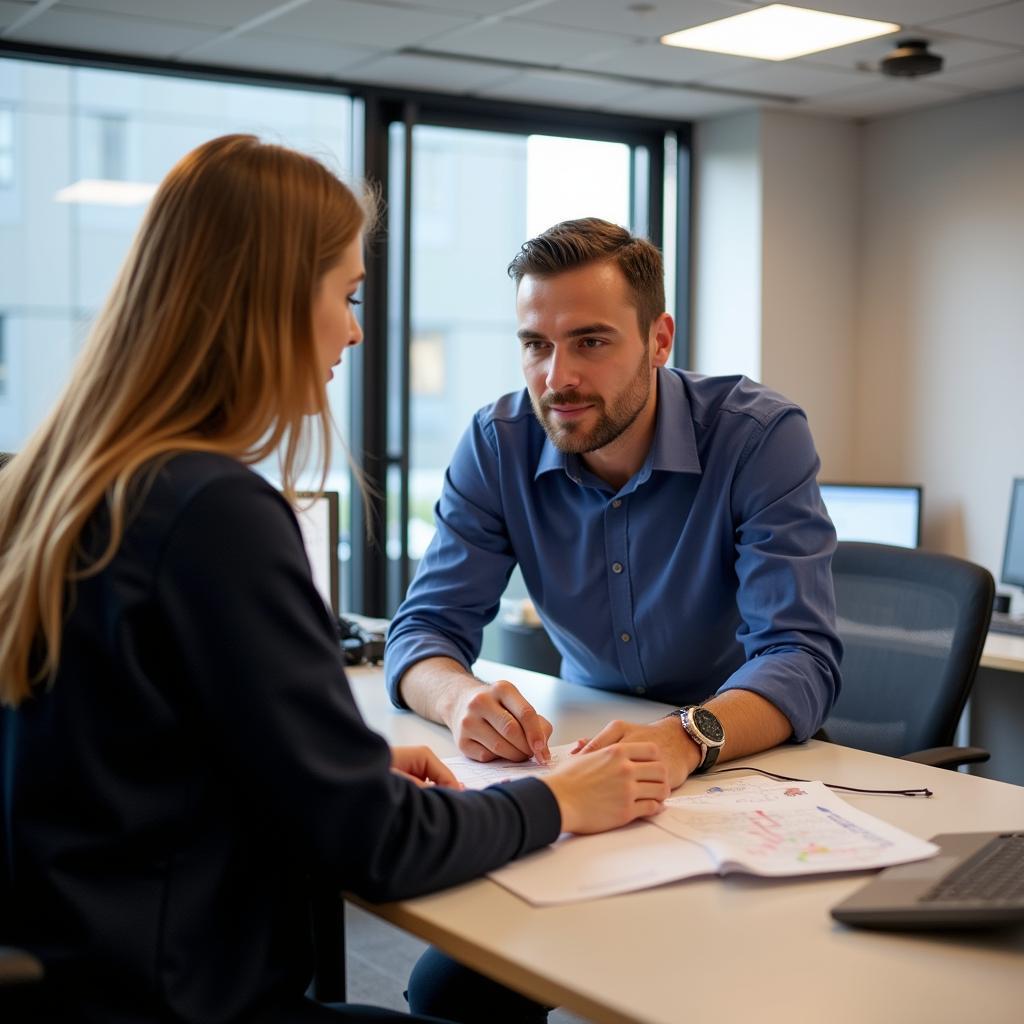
(208, 492)
(184, 476)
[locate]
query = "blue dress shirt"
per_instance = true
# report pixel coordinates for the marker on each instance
(709, 570)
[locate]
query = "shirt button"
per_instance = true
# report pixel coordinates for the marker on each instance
(617, 503)
(625, 637)
(616, 567)
(641, 690)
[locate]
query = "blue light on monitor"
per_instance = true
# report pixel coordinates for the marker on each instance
(879, 514)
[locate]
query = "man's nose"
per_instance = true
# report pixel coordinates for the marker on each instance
(562, 372)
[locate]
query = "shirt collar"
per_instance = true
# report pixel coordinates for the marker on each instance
(674, 449)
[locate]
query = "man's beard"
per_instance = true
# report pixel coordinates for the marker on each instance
(611, 423)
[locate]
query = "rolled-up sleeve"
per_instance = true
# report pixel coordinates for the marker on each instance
(784, 547)
(463, 574)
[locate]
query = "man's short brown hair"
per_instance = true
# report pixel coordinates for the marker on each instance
(575, 243)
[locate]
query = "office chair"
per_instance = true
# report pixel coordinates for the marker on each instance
(913, 624)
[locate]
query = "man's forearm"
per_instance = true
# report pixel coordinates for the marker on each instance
(751, 723)
(433, 687)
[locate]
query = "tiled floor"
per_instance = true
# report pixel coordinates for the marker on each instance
(379, 959)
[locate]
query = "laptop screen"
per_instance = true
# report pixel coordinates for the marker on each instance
(318, 520)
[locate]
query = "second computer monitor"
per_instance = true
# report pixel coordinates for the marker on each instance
(879, 513)
(1013, 553)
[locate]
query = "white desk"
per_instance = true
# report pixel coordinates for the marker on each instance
(756, 950)
(1003, 651)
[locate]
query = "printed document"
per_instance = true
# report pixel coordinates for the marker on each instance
(748, 824)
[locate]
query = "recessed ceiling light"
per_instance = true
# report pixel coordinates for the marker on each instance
(101, 192)
(778, 32)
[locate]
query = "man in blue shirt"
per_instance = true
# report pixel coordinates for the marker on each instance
(668, 527)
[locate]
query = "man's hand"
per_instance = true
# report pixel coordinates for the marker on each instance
(494, 721)
(679, 753)
(423, 766)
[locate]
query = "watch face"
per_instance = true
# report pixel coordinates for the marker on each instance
(708, 724)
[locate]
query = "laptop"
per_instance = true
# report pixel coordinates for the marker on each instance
(975, 881)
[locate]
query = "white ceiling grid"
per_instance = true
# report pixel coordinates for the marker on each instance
(594, 54)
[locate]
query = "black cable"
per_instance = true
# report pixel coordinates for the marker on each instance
(924, 791)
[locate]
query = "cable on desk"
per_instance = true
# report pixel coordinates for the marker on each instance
(924, 791)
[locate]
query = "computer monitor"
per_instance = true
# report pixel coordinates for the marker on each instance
(879, 513)
(1013, 553)
(318, 520)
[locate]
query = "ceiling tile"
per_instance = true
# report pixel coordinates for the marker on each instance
(10, 12)
(1005, 73)
(523, 41)
(666, 63)
(146, 37)
(615, 16)
(380, 25)
(953, 50)
(558, 88)
(788, 78)
(890, 97)
(479, 8)
(214, 13)
(266, 51)
(903, 12)
(1000, 24)
(411, 72)
(679, 104)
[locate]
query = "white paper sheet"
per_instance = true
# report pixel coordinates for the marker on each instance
(479, 774)
(748, 824)
(577, 868)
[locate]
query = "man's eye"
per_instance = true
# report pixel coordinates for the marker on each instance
(591, 342)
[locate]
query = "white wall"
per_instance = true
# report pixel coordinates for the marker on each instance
(810, 274)
(940, 352)
(776, 263)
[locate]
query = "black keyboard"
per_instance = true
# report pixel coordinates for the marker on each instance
(995, 874)
(1004, 622)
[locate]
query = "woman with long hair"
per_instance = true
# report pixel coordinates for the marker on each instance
(181, 755)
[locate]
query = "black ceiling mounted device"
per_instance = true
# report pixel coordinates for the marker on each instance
(910, 59)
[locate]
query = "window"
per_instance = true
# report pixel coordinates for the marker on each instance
(3, 360)
(6, 147)
(59, 256)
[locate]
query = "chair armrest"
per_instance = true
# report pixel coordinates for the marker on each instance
(18, 967)
(948, 757)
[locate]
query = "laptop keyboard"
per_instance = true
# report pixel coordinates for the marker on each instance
(995, 874)
(1004, 622)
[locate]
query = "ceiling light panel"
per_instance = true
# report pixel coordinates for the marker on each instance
(778, 32)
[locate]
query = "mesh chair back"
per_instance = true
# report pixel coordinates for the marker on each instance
(913, 624)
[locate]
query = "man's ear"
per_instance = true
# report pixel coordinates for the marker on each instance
(660, 337)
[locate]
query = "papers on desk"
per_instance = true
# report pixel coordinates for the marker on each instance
(479, 774)
(747, 825)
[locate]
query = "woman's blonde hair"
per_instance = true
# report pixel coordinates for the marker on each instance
(205, 344)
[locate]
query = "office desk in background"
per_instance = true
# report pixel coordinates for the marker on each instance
(736, 949)
(996, 710)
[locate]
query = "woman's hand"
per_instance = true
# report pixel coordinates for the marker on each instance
(423, 766)
(610, 787)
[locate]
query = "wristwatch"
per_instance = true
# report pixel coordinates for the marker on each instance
(704, 728)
